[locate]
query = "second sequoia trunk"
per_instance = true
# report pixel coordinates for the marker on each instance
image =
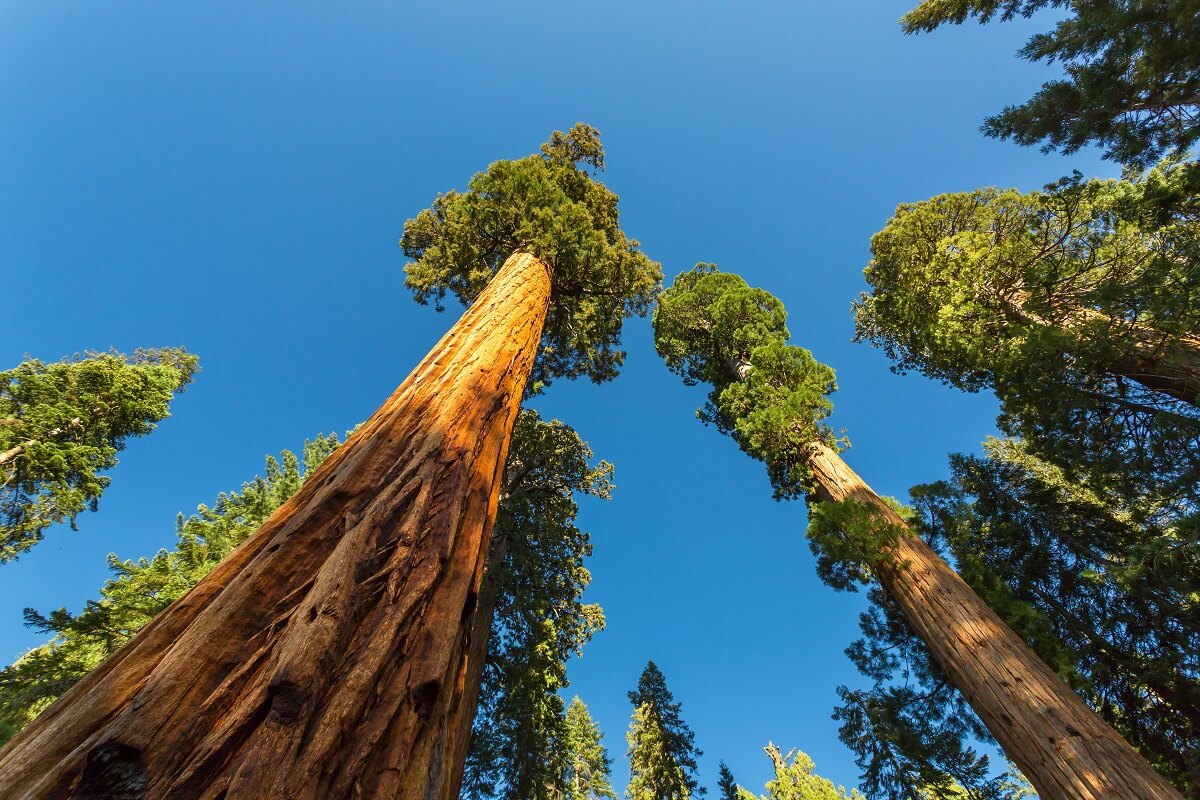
(1061, 745)
(328, 656)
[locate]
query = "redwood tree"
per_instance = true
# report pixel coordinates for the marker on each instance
(770, 397)
(1078, 305)
(329, 656)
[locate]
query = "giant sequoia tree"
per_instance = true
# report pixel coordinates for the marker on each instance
(330, 655)
(770, 397)
(61, 424)
(1133, 74)
(1079, 306)
(1110, 602)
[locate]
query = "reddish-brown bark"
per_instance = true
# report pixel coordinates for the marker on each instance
(1061, 745)
(328, 656)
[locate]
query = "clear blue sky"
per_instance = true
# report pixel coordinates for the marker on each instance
(233, 177)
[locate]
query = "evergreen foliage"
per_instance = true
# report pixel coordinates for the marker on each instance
(1047, 297)
(662, 748)
(61, 424)
(1132, 83)
(142, 588)
(546, 204)
(589, 774)
(520, 729)
(727, 788)
(770, 397)
(795, 780)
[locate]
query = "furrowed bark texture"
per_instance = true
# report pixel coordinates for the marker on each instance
(327, 656)
(1061, 745)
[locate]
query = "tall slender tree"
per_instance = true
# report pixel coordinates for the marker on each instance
(1108, 602)
(1132, 81)
(330, 656)
(727, 787)
(662, 748)
(62, 424)
(771, 398)
(589, 773)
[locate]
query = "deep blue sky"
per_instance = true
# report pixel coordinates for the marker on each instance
(234, 177)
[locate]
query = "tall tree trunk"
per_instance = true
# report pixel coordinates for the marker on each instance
(326, 657)
(1061, 745)
(1158, 361)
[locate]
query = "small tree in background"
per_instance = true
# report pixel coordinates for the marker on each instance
(662, 749)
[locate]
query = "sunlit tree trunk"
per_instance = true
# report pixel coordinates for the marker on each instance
(328, 656)
(1061, 745)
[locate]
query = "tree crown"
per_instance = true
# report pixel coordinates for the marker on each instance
(771, 397)
(546, 204)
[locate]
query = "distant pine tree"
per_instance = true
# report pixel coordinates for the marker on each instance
(589, 776)
(662, 748)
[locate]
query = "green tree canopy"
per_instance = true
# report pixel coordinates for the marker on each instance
(62, 424)
(795, 780)
(1132, 83)
(1078, 306)
(662, 748)
(727, 788)
(549, 205)
(769, 396)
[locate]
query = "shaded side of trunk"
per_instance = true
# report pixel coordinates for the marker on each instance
(1061, 745)
(1166, 364)
(327, 657)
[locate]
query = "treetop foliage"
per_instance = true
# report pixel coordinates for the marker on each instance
(1132, 83)
(62, 423)
(588, 775)
(1046, 297)
(771, 397)
(795, 779)
(546, 204)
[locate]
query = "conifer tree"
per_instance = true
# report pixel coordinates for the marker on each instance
(1132, 82)
(1079, 306)
(1106, 600)
(62, 424)
(727, 788)
(531, 599)
(342, 662)
(795, 780)
(771, 398)
(662, 749)
(589, 773)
